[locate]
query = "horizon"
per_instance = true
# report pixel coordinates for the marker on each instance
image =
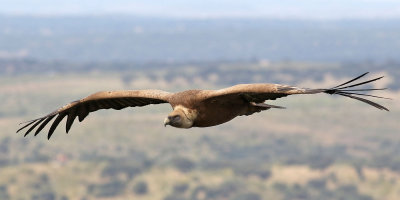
(238, 9)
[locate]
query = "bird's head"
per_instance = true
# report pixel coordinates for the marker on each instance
(180, 118)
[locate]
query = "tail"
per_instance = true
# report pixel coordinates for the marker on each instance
(346, 90)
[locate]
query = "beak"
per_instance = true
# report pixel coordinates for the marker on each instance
(166, 122)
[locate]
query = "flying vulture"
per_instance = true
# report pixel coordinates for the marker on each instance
(194, 108)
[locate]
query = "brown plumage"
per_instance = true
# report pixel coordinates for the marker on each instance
(193, 108)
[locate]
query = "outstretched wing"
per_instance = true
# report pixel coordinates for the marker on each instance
(258, 93)
(101, 100)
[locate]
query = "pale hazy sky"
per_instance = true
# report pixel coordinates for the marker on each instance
(308, 9)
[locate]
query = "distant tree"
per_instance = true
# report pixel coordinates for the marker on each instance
(248, 196)
(174, 197)
(320, 161)
(348, 189)
(181, 188)
(46, 195)
(280, 187)
(227, 190)
(5, 144)
(44, 178)
(332, 177)
(183, 164)
(64, 198)
(298, 192)
(246, 170)
(318, 184)
(4, 192)
(3, 162)
(37, 157)
(200, 192)
(140, 188)
(115, 168)
(359, 170)
(350, 192)
(109, 189)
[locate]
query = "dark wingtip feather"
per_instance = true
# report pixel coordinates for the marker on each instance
(376, 105)
(353, 93)
(44, 124)
(55, 124)
(33, 126)
(352, 80)
(359, 90)
(26, 125)
(28, 121)
(362, 83)
(368, 95)
(70, 120)
(84, 112)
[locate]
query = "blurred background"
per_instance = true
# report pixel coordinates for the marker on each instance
(321, 147)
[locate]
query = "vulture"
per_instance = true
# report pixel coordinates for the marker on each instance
(195, 108)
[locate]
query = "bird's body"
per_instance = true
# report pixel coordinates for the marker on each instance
(193, 108)
(202, 111)
(219, 113)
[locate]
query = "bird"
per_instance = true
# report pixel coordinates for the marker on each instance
(196, 108)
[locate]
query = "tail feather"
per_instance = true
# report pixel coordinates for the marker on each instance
(354, 93)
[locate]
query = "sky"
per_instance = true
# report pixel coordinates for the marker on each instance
(286, 9)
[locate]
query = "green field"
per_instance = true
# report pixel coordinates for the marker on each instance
(321, 147)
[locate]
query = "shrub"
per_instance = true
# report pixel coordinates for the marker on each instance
(248, 196)
(110, 189)
(140, 188)
(183, 164)
(181, 188)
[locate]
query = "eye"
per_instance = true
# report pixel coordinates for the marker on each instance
(174, 118)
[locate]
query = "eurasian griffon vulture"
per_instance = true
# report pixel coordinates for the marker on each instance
(194, 108)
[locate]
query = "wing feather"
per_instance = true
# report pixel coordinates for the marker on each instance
(44, 123)
(257, 93)
(28, 124)
(33, 126)
(84, 110)
(102, 100)
(70, 119)
(55, 124)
